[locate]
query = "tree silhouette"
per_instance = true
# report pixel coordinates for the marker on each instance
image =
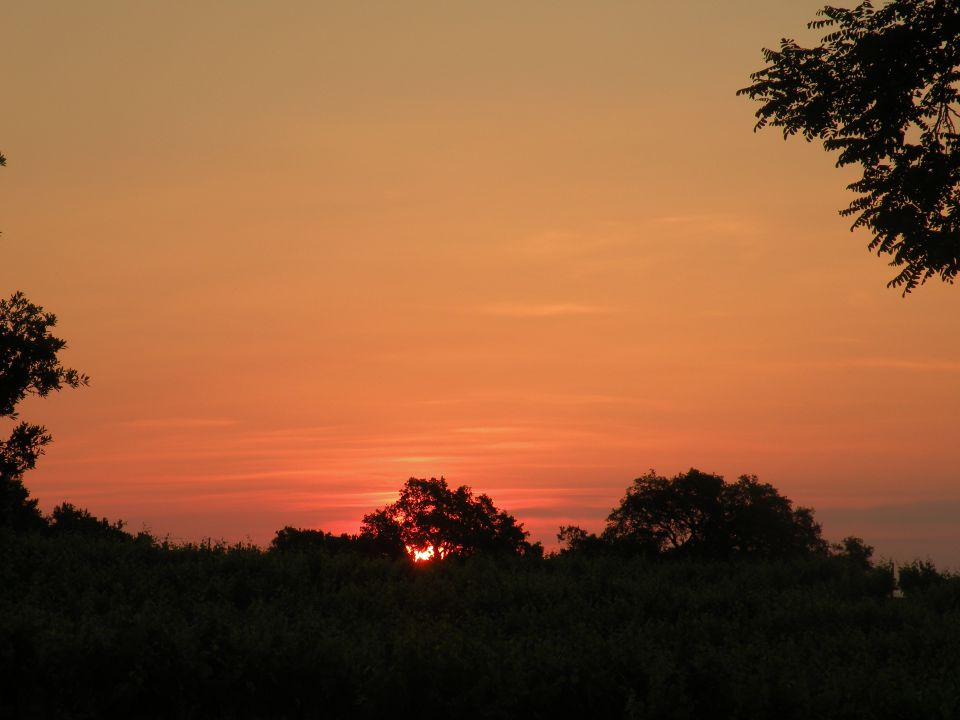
(881, 89)
(699, 514)
(67, 519)
(855, 550)
(432, 520)
(29, 365)
(759, 521)
(579, 540)
(663, 515)
(298, 540)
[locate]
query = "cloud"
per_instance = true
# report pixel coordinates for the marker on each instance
(928, 516)
(178, 423)
(862, 363)
(882, 363)
(569, 245)
(490, 429)
(712, 224)
(542, 310)
(419, 459)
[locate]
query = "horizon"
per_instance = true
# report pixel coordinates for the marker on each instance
(307, 252)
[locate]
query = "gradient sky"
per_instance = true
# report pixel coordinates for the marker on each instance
(307, 250)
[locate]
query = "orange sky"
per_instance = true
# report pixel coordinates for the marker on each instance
(307, 250)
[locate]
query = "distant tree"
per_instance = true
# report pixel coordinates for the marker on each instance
(432, 519)
(855, 550)
(574, 536)
(919, 575)
(881, 89)
(659, 514)
(760, 521)
(29, 365)
(67, 519)
(579, 540)
(291, 539)
(298, 540)
(699, 514)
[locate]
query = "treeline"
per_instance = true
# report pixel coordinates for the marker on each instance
(97, 622)
(94, 625)
(691, 515)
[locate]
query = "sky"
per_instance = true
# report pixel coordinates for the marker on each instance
(307, 250)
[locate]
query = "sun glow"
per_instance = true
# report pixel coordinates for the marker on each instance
(424, 554)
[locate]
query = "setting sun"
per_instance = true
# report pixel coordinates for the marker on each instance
(424, 554)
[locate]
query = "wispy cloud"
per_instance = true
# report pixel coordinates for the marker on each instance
(718, 224)
(178, 423)
(569, 245)
(861, 363)
(491, 429)
(884, 363)
(542, 310)
(418, 459)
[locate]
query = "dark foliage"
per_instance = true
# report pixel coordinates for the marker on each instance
(455, 523)
(698, 514)
(95, 628)
(298, 540)
(29, 365)
(18, 511)
(66, 519)
(578, 540)
(881, 89)
(919, 576)
(854, 550)
(28, 354)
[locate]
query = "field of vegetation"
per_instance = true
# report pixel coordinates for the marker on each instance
(102, 626)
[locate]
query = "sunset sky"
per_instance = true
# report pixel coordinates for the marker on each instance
(306, 250)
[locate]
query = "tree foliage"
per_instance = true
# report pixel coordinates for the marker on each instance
(699, 514)
(299, 540)
(18, 511)
(855, 550)
(67, 519)
(920, 575)
(431, 515)
(29, 362)
(881, 89)
(29, 365)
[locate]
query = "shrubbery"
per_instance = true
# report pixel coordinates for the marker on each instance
(92, 627)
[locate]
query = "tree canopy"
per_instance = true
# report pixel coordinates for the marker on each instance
(700, 514)
(430, 519)
(68, 519)
(299, 540)
(29, 365)
(881, 89)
